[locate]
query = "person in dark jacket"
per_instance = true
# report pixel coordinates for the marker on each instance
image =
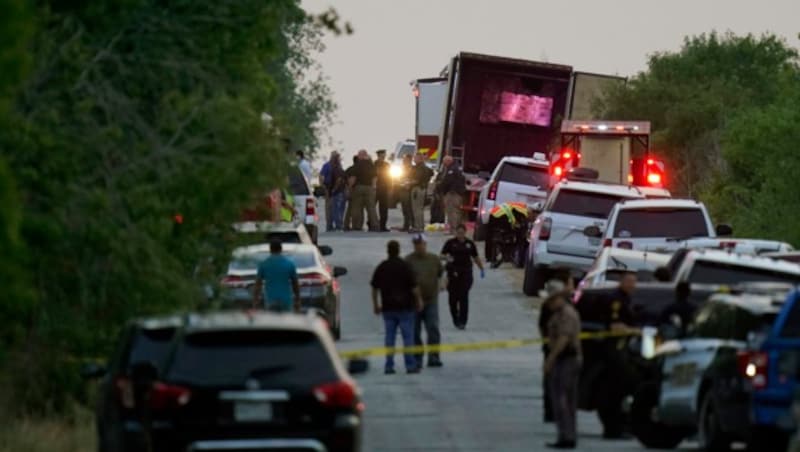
(383, 186)
(451, 187)
(350, 177)
(460, 253)
(420, 177)
(681, 311)
(565, 278)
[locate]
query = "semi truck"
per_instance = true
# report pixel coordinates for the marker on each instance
(497, 107)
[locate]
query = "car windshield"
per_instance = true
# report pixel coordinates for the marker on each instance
(705, 272)
(301, 259)
(584, 203)
(277, 359)
(534, 176)
(297, 182)
(660, 222)
(150, 345)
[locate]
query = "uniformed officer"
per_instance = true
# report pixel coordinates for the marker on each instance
(420, 176)
(460, 253)
(563, 363)
(619, 318)
(383, 187)
(563, 276)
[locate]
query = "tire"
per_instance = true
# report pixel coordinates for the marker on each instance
(535, 277)
(480, 231)
(710, 435)
(652, 434)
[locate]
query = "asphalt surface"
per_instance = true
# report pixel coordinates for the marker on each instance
(479, 401)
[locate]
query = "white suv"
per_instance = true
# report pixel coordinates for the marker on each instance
(658, 225)
(515, 179)
(557, 239)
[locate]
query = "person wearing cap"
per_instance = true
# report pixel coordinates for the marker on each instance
(452, 186)
(428, 271)
(563, 363)
(563, 276)
(383, 185)
(363, 197)
(460, 253)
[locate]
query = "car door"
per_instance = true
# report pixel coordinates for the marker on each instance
(571, 212)
(683, 370)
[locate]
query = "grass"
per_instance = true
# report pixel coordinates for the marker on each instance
(74, 434)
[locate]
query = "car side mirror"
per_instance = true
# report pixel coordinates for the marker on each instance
(92, 371)
(357, 366)
(319, 191)
(325, 250)
(592, 231)
(724, 230)
(339, 271)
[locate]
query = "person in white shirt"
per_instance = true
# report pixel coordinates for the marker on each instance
(305, 165)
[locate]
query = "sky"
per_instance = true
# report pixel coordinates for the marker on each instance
(397, 41)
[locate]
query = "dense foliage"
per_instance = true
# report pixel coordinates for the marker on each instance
(134, 111)
(722, 112)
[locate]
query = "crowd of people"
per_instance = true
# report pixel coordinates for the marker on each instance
(362, 193)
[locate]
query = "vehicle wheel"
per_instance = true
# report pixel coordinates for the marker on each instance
(519, 255)
(652, 434)
(480, 231)
(765, 438)
(710, 435)
(535, 277)
(488, 246)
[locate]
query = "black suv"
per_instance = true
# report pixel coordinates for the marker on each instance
(250, 382)
(118, 421)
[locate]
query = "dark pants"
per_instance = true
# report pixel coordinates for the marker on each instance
(382, 197)
(430, 317)
(458, 286)
(404, 196)
(563, 382)
(404, 321)
(548, 405)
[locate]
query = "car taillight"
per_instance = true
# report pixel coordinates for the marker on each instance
(492, 191)
(232, 280)
(310, 207)
(340, 394)
(625, 245)
(753, 365)
(124, 389)
(607, 243)
(164, 396)
(313, 279)
(544, 232)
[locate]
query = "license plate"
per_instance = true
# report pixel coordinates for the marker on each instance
(248, 411)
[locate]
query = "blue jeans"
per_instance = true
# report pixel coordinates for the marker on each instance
(337, 211)
(404, 320)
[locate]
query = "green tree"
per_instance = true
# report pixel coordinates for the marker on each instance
(135, 111)
(691, 95)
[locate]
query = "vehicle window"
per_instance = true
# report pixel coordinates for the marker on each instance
(705, 272)
(791, 327)
(297, 182)
(661, 223)
(304, 259)
(277, 359)
(714, 320)
(284, 237)
(748, 322)
(150, 345)
(254, 238)
(789, 258)
(534, 176)
(586, 204)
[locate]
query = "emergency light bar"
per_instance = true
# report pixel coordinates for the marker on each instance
(606, 127)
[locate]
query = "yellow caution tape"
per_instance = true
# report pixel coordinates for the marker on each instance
(471, 346)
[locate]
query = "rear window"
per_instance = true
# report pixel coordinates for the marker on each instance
(586, 204)
(791, 327)
(661, 223)
(150, 345)
(278, 359)
(304, 259)
(254, 238)
(525, 175)
(297, 182)
(704, 272)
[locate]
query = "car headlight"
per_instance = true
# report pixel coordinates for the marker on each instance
(395, 172)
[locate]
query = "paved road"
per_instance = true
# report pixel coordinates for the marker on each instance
(479, 401)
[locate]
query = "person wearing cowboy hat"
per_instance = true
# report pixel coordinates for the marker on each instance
(563, 363)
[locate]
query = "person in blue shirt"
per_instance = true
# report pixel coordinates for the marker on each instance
(277, 288)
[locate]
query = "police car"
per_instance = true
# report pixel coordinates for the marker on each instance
(612, 263)
(715, 267)
(557, 239)
(705, 383)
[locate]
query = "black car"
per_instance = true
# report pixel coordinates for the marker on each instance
(251, 381)
(118, 420)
